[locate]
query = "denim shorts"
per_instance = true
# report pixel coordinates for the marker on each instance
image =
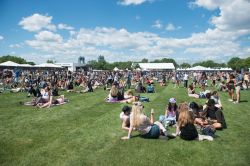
(154, 133)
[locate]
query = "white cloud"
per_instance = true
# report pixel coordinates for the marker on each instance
(157, 24)
(15, 46)
(112, 42)
(208, 4)
(171, 27)
(131, 2)
(65, 26)
(37, 22)
(219, 43)
(233, 14)
(48, 36)
(1, 37)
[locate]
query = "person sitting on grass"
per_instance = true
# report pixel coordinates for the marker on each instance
(170, 114)
(191, 92)
(139, 88)
(113, 93)
(216, 98)
(197, 114)
(45, 97)
(150, 88)
(145, 126)
(186, 128)
(125, 117)
(214, 115)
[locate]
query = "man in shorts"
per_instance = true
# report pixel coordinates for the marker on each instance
(239, 80)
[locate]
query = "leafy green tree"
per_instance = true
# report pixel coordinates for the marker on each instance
(247, 62)
(235, 63)
(166, 60)
(15, 59)
(50, 61)
(209, 63)
(185, 65)
(144, 60)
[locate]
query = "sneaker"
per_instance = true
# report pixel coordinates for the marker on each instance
(170, 136)
(205, 137)
(230, 100)
(236, 102)
(163, 137)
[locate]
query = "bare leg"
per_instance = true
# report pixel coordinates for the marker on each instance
(162, 128)
(217, 125)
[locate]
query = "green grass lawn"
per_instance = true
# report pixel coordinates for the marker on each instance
(87, 131)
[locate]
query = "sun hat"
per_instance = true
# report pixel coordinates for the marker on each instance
(172, 100)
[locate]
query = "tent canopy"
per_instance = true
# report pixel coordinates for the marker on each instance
(9, 63)
(49, 65)
(157, 66)
(115, 69)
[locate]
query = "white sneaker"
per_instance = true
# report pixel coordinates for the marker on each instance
(205, 137)
(230, 100)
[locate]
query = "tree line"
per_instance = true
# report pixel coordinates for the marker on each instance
(101, 64)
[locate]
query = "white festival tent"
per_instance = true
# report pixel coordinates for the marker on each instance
(226, 69)
(157, 66)
(197, 68)
(9, 64)
(13, 64)
(48, 65)
(201, 68)
(115, 69)
(25, 65)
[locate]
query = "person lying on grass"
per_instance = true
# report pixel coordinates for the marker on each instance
(144, 125)
(125, 117)
(57, 101)
(186, 128)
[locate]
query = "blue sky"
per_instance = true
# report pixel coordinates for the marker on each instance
(121, 30)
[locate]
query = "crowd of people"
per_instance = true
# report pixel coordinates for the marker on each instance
(191, 120)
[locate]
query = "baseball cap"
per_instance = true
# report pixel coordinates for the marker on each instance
(172, 100)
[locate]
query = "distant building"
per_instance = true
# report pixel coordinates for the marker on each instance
(71, 66)
(81, 60)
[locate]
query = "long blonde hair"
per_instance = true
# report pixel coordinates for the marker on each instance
(137, 111)
(185, 116)
(113, 91)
